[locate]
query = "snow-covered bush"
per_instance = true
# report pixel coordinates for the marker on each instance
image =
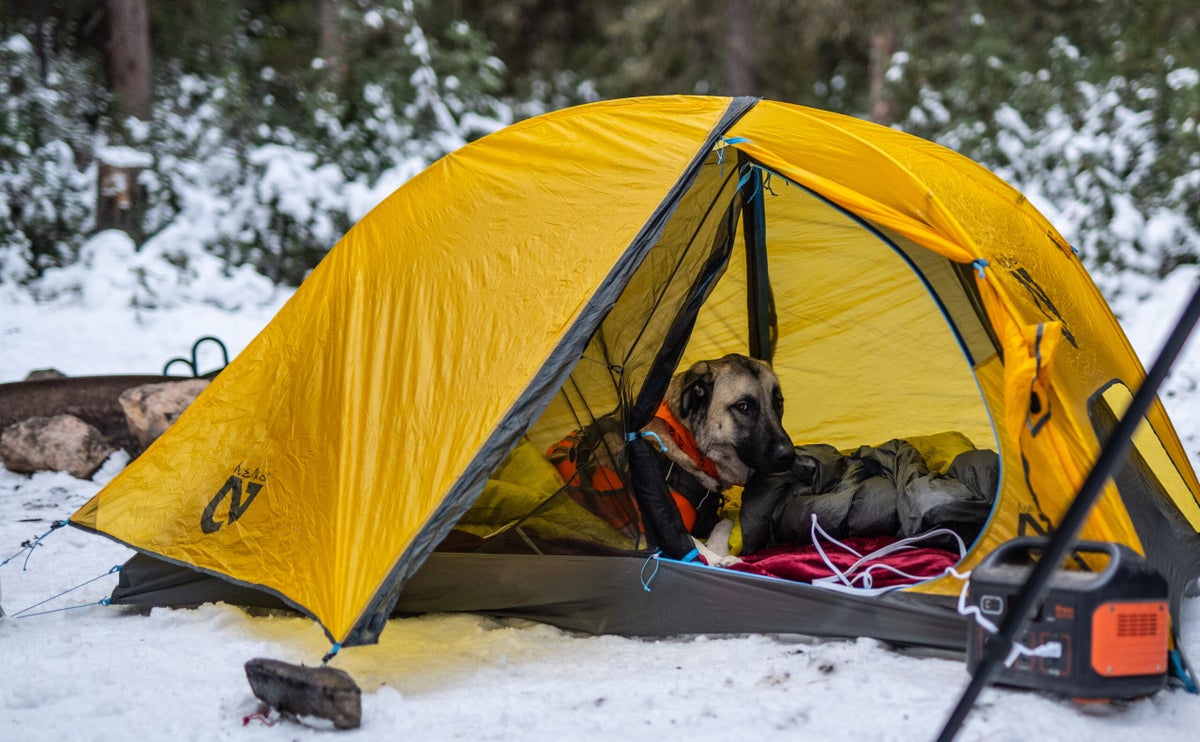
(409, 95)
(47, 187)
(234, 171)
(268, 205)
(1114, 163)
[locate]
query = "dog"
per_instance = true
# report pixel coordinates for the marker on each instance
(720, 421)
(731, 408)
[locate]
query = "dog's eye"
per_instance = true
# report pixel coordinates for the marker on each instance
(743, 407)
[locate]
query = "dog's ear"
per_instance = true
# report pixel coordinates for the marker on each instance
(697, 390)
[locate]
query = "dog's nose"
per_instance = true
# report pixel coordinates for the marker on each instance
(782, 455)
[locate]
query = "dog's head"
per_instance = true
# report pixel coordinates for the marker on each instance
(733, 407)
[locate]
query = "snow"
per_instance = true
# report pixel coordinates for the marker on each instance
(120, 156)
(99, 672)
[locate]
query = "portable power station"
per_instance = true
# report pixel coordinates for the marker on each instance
(1112, 625)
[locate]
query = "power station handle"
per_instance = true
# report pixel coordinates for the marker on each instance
(1021, 551)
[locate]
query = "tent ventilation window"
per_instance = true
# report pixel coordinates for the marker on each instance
(1147, 456)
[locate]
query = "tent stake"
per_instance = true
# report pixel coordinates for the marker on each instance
(997, 646)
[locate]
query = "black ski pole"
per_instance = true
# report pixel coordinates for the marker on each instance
(997, 647)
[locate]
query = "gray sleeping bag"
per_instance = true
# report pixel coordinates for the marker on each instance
(877, 490)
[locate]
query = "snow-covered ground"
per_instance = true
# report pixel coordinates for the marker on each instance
(96, 672)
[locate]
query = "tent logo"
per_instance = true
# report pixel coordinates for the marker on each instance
(1027, 524)
(253, 481)
(1043, 302)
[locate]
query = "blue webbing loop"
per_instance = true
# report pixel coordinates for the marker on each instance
(979, 265)
(724, 142)
(648, 434)
(763, 184)
(721, 144)
(642, 575)
(747, 171)
(657, 557)
(105, 601)
(1181, 673)
(766, 184)
(337, 646)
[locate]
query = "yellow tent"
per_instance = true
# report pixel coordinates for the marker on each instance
(559, 270)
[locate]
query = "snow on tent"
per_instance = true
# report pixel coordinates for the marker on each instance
(381, 446)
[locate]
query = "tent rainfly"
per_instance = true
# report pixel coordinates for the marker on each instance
(380, 447)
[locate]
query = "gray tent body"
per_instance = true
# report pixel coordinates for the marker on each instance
(604, 595)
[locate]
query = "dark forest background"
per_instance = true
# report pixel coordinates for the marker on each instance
(132, 113)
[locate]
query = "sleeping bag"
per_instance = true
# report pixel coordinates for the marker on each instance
(872, 491)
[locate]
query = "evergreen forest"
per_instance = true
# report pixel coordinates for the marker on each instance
(258, 131)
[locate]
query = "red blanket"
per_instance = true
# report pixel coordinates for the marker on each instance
(805, 564)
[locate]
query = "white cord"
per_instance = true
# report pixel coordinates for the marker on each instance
(848, 578)
(1052, 650)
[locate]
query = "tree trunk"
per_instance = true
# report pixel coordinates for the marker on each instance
(739, 64)
(129, 58)
(332, 44)
(121, 198)
(883, 47)
(40, 41)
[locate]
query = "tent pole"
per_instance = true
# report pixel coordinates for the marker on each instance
(758, 283)
(997, 646)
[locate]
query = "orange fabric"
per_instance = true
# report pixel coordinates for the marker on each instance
(683, 438)
(686, 511)
(604, 483)
(603, 493)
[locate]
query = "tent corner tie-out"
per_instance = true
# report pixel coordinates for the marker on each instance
(33, 543)
(1181, 672)
(333, 650)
